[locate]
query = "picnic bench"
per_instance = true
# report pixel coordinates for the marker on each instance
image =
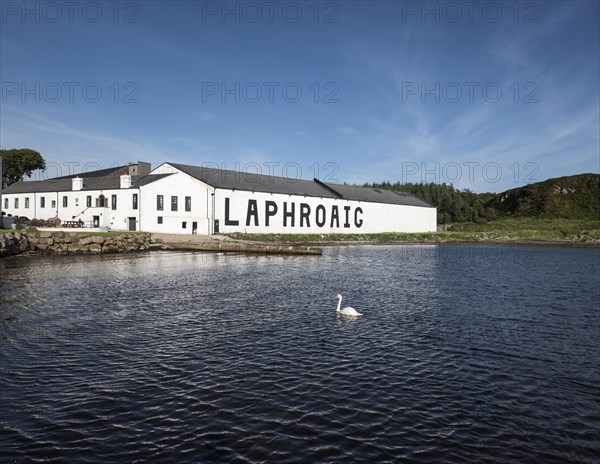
(73, 223)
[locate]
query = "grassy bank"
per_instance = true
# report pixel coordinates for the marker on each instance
(537, 229)
(504, 230)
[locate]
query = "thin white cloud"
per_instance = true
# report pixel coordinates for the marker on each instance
(346, 130)
(69, 143)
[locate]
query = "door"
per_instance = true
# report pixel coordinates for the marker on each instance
(131, 223)
(194, 227)
(96, 221)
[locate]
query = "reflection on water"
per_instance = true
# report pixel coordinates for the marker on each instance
(464, 353)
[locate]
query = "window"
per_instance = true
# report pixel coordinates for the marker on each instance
(16, 202)
(27, 202)
(6, 203)
(42, 202)
(188, 203)
(184, 225)
(88, 201)
(113, 202)
(101, 201)
(135, 201)
(65, 202)
(159, 219)
(159, 203)
(54, 203)
(173, 203)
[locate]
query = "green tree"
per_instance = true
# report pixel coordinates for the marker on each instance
(18, 163)
(453, 205)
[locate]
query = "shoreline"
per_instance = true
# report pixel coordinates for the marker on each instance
(44, 243)
(452, 242)
(79, 243)
(180, 241)
(445, 241)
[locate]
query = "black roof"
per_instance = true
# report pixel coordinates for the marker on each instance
(62, 184)
(373, 195)
(225, 179)
(115, 171)
(247, 181)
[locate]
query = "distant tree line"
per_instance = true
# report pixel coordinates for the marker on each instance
(453, 205)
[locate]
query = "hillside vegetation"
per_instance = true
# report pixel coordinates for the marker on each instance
(569, 197)
(572, 197)
(564, 210)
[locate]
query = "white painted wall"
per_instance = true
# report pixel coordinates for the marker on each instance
(179, 185)
(9, 206)
(77, 206)
(119, 219)
(1, 202)
(375, 217)
(362, 217)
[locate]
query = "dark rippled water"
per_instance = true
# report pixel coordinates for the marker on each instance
(464, 354)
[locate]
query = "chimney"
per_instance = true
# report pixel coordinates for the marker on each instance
(140, 168)
(77, 183)
(125, 181)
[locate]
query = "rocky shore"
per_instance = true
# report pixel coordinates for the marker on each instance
(14, 243)
(60, 242)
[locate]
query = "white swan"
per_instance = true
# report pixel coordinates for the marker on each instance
(346, 311)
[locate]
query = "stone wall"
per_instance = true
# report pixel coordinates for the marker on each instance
(14, 243)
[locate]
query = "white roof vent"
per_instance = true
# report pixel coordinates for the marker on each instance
(77, 183)
(125, 181)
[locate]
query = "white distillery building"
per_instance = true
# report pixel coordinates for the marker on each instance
(178, 198)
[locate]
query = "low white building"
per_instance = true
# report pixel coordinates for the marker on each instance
(177, 198)
(102, 199)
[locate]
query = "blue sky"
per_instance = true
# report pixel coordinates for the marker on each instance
(486, 97)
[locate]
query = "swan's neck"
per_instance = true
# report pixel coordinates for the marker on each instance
(339, 303)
